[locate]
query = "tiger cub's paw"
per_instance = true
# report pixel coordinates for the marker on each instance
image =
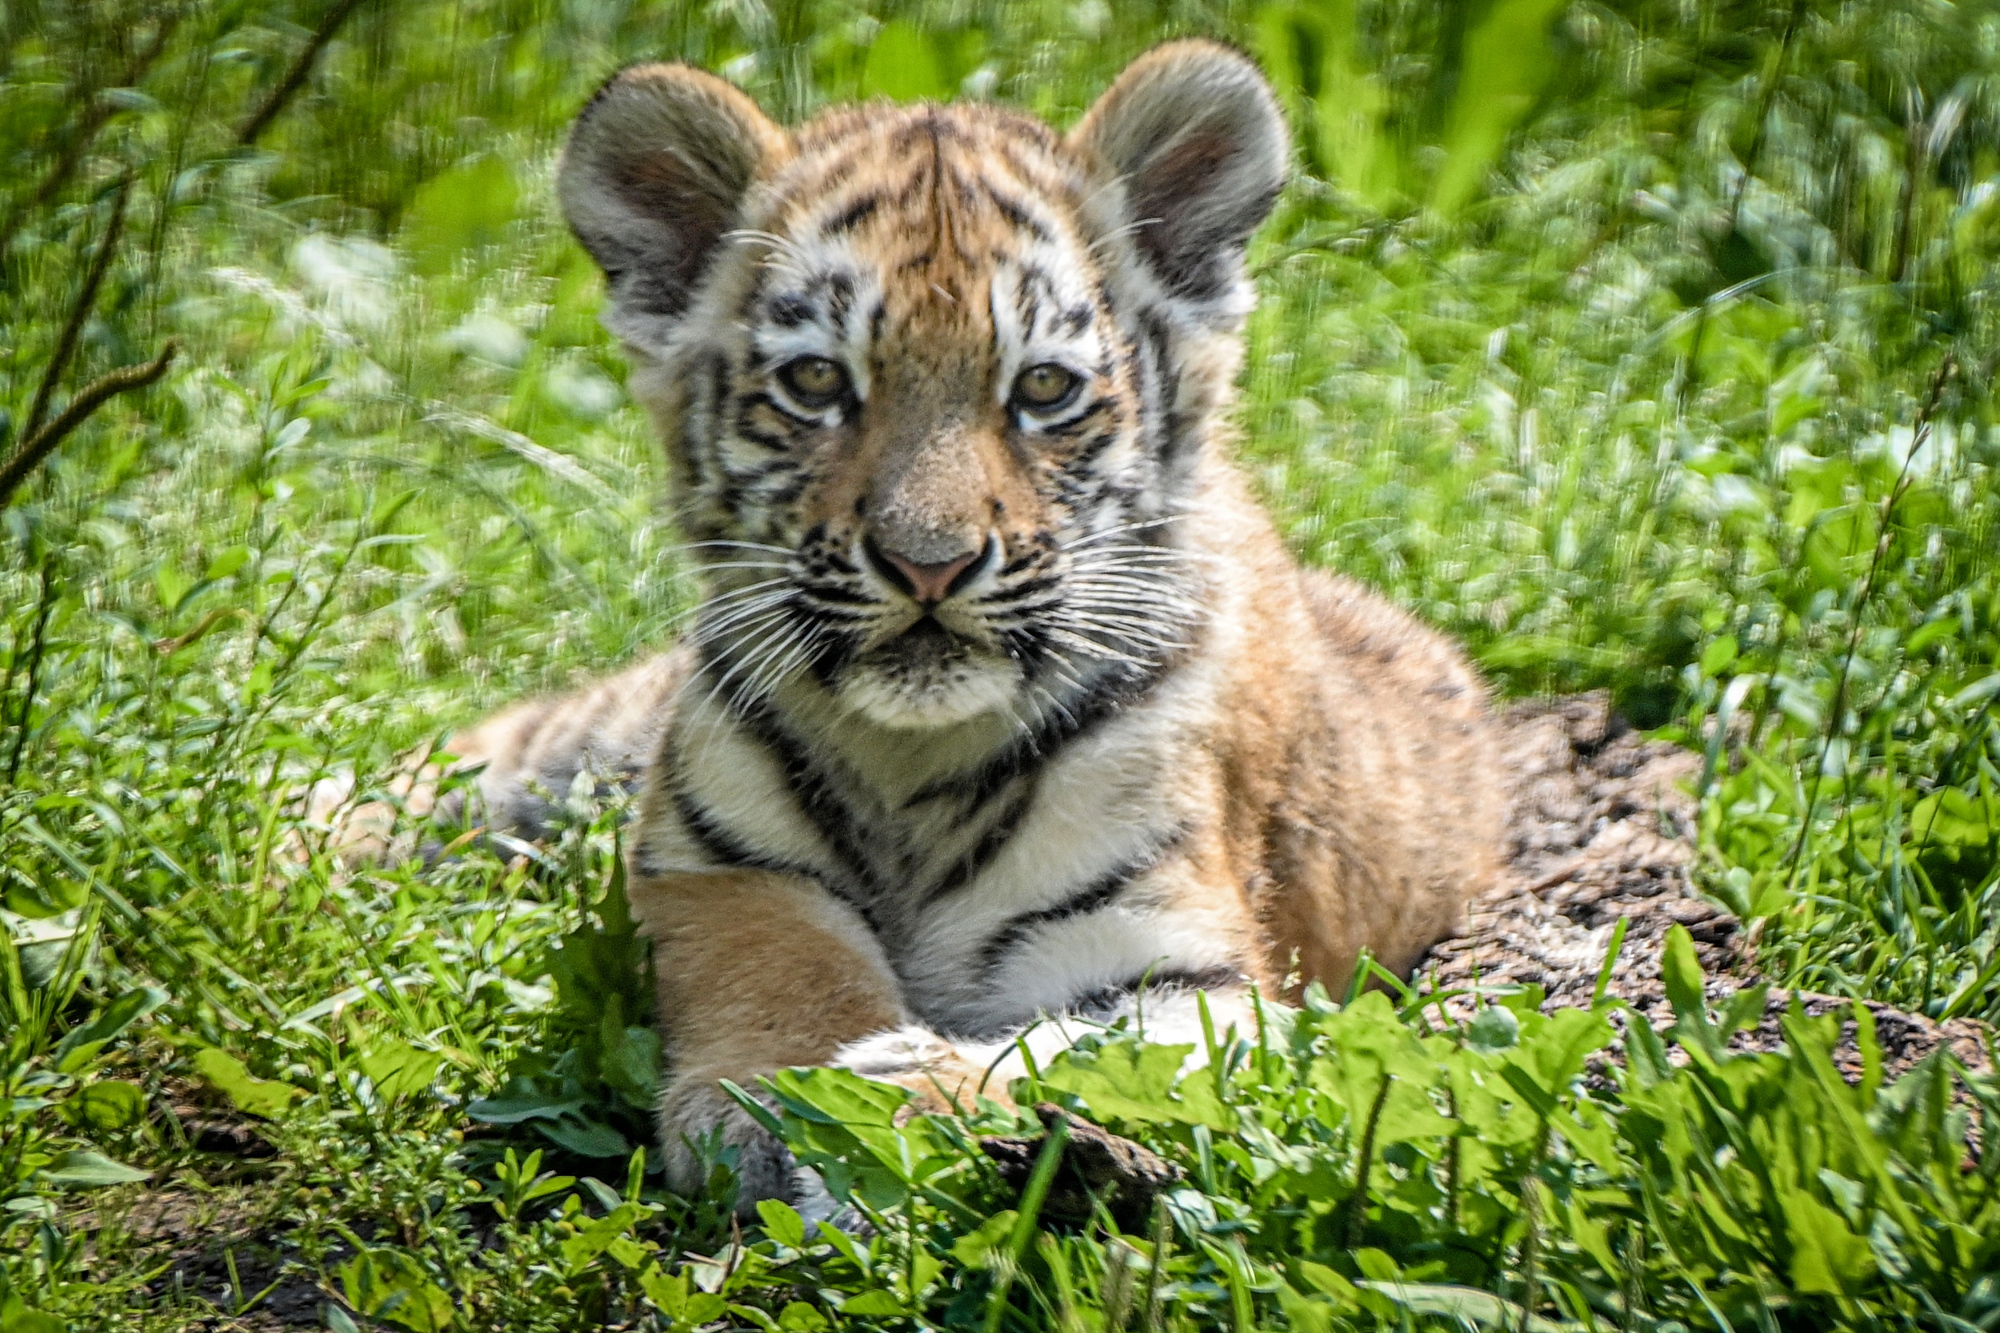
(946, 1075)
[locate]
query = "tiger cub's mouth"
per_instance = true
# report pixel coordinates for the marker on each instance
(925, 643)
(929, 676)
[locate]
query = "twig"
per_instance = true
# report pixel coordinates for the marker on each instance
(39, 638)
(295, 77)
(79, 311)
(88, 399)
(1356, 1207)
(1920, 435)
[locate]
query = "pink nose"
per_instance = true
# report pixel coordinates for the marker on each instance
(930, 583)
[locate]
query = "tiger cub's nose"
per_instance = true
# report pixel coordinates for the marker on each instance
(929, 582)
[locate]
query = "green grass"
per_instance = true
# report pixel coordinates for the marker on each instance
(1647, 347)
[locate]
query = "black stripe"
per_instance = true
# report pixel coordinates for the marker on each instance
(791, 491)
(1076, 718)
(854, 214)
(1015, 212)
(1092, 450)
(752, 401)
(1159, 979)
(1037, 551)
(840, 297)
(789, 310)
(758, 435)
(1027, 297)
(1092, 896)
(1158, 340)
(834, 592)
(969, 867)
(701, 430)
(716, 842)
(1025, 588)
(827, 615)
(720, 846)
(1073, 425)
(817, 799)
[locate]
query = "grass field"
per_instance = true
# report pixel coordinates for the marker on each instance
(1647, 345)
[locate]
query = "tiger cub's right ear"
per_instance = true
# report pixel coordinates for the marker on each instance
(654, 176)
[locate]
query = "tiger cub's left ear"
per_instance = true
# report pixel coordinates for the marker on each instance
(1194, 135)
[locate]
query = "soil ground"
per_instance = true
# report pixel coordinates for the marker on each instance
(1602, 827)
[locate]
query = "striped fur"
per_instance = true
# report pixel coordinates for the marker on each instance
(998, 705)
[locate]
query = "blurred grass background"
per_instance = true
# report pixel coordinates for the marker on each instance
(1646, 344)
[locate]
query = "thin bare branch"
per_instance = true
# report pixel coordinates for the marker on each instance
(295, 77)
(79, 311)
(88, 399)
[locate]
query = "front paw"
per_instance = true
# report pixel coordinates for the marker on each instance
(947, 1077)
(701, 1125)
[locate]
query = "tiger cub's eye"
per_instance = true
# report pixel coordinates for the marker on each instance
(814, 380)
(1045, 386)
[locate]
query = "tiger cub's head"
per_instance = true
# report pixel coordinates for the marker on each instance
(936, 380)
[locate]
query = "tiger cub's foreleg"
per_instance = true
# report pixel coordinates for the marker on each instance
(758, 971)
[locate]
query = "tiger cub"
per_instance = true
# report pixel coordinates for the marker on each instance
(1005, 700)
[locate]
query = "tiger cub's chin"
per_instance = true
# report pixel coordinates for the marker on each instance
(927, 678)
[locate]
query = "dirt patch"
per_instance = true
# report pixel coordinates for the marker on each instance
(1602, 828)
(217, 1256)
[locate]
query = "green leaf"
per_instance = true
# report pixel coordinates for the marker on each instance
(978, 1249)
(585, 1137)
(1680, 970)
(1134, 1081)
(458, 212)
(398, 1069)
(799, 1317)
(1467, 1304)
(1950, 819)
(83, 1169)
(1537, 1098)
(1341, 95)
(514, 1110)
(603, 1235)
(1495, 1029)
(108, 1104)
(1650, 1065)
(227, 562)
(1506, 63)
(1363, 1045)
(1827, 1257)
(1376, 1264)
(782, 1223)
(876, 1302)
(672, 1295)
(1719, 654)
(16, 1317)
(389, 1284)
(838, 1097)
(266, 1098)
(81, 1044)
